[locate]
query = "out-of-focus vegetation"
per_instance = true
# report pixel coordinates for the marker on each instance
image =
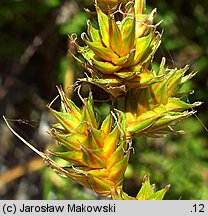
(34, 59)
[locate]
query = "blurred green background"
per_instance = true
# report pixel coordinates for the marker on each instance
(34, 59)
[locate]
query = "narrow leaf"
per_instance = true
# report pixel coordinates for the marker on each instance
(175, 104)
(93, 32)
(70, 141)
(92, 158)
(74, 157)
(67, 120)
(69, 105)
(115, 37)
(146, 190)
(142, 44)
(118, 170)
(111, 142)
(106, 125)
(106, 67)
(128, 35)
(102, 52)
(103, 22)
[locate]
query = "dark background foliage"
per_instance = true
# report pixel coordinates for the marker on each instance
(34, 59)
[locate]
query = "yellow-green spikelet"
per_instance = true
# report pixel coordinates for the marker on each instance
(146, 192)
(96, 153)
(118, 52)
(153, 110)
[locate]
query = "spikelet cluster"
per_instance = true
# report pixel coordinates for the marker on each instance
(118, 53)
(120, 48)
(96, 150)
(153, 111)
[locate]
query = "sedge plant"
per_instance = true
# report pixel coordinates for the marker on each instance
(117, 56)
